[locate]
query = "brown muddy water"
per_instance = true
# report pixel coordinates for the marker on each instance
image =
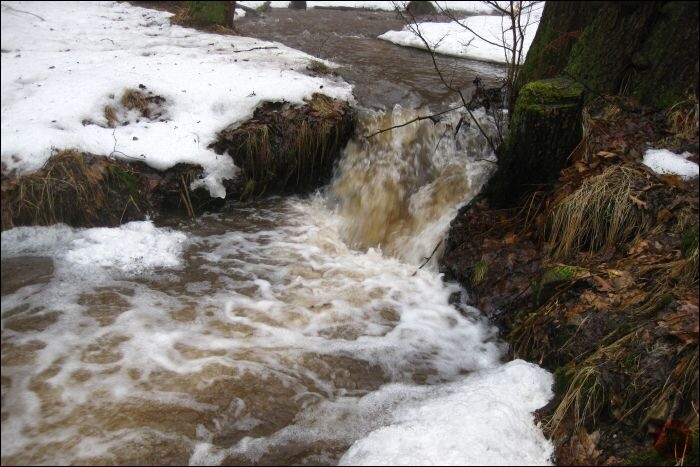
(383, 73)
(265, 334)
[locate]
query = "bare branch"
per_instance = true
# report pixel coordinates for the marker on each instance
(412, 24)
(417, 119)
(254, 48)
(9, 8)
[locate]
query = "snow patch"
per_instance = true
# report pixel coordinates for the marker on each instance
(64, 60)
(663, 161)
(475, 37)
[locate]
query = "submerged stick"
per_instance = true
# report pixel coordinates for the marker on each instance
(429, 257)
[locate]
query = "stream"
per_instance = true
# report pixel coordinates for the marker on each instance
(299, 330)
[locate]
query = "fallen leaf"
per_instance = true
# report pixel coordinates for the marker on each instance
(673, 180)
(664, 215)
(602, 285)
(638, 247)
(682, 323)
(510, 239)
(587, 450)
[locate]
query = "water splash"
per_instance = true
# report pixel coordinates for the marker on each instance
(399, 189)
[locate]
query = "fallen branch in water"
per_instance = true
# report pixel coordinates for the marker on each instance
(429, 257)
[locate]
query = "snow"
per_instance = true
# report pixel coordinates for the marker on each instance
(61, 61)
(483, 42)
(457, 424)
(663, 161)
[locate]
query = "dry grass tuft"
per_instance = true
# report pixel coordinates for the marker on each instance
(136, 100)
(111, 116)
(600, 214)
(74, 188)
(683, 117)
(285, 149)
(320, 68)
(583, 400)
(143, 104)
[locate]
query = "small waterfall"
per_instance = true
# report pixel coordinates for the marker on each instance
(399, 190)
(275, 333)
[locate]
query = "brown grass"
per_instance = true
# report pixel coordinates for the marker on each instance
(682, 118)
(284, 149)
(74, 188)
(599, 215)
(133, 99)
(111, 116)
(147, 105)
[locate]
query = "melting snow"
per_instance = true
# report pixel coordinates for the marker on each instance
(663, 161)
(63, 62)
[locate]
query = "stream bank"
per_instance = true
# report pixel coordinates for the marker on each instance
(585, 257)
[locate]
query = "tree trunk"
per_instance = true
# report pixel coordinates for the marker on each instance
(231, 13)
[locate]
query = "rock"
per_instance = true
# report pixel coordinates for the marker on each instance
(297, 5)
(420, 8)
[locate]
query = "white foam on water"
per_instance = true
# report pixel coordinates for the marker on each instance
(134, 247)
(484, 419)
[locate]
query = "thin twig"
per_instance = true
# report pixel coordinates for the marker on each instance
(429, 257)
(9, 8)
(254, 48)
(417, 119)
(114, 150)
(412, 24)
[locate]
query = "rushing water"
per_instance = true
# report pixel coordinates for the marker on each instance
(286, 331)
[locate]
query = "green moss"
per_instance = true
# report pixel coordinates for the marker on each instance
(539, 95)
(648, 457)
(208, 12)
(558, 30)
(689, 242)
(664, 301)
(544, 128)
(562, 379)
(670, 50)
(557, 275)
(561, 274)
(124, 180)
(479, 272)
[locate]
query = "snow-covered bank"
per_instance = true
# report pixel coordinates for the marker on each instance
(467, 7)
(476, 37)
(64, 62)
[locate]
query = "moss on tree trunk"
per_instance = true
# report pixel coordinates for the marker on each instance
(545, 127)
(648, 50)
